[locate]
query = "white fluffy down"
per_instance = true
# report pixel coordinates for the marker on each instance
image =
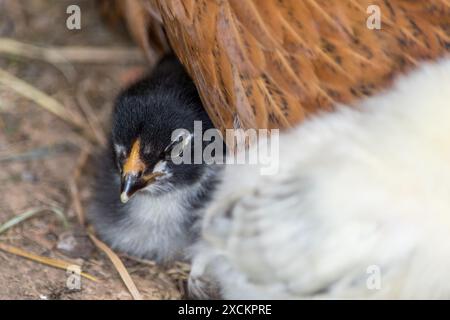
(358, 190)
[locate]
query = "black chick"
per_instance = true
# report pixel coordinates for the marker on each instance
(145, 204)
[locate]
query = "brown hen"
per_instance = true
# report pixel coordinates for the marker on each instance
(271, 63)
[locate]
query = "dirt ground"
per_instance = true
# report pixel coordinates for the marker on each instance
(40, 154)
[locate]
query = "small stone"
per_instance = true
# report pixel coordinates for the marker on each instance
(28, 176)
(75, 244)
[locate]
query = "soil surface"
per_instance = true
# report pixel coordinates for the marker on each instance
(40, 155)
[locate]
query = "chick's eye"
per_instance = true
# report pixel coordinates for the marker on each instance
(120, 159)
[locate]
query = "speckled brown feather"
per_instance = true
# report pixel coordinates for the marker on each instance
(271, 63)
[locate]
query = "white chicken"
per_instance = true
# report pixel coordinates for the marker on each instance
(360, 206)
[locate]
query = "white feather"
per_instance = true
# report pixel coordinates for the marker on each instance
(152, 225)
(361, 187)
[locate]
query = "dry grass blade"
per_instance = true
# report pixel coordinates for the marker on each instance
(73, 187)
(41, 98)
(129, 283)
(75, 195)
(36, 153)
(75, 54)
(91, 117)
(56, 263)
(30, 213)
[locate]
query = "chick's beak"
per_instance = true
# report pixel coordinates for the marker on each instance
(130, 184)
(132, 173)
(133, 178)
